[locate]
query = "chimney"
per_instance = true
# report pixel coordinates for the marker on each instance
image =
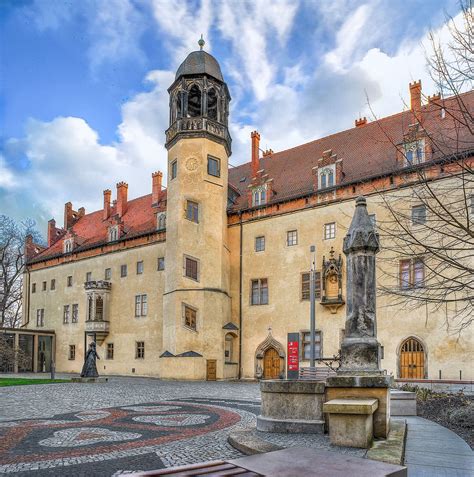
(51, 232)
(360, 122)
(68, 215)
(156, 179)
(122, 189)
(434, 98)
(255, 152)
(415, 99)
(267, 152)
(107, 195)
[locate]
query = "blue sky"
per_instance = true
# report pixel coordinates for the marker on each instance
(83, 101)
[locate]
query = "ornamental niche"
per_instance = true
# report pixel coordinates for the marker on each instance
(97, 311)
(332, 282)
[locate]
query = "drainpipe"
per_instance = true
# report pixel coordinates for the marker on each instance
(240, 297)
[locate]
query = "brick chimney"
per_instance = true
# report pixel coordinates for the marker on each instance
(255, 152)
(122, 191)
(156, 179)
(51, 232)
(68, 215)
(415, 99)
(267, 152)
(107, 196)
(360, 122)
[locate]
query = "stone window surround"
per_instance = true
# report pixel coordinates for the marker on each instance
(72, 352)
(262, 284)
(317, 289)
(160, 264)
(304, 341)
(66, 314)
(113, 233)
(291, 238)
(213, 160)
(174, 169)
(260, 243)
(109, 351)
(184, 307)
(140, 267)
(259, 195)
(418, 215)
(33, 288)
(107, 273)
(139, 350)
(414, 152)
(52, 286)
(97, 299)
(141, 305)
(45, 285)
(198, 267)
(330, 231)
(408, 278)
(123, 270)
(40, 317)
(328, 172)
(192, 210)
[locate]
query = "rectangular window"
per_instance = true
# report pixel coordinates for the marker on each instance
(44, 286)
(259, 196)
(259, 292)
(123, 270)
(174, 169)
(192, 211)
(69, 281)
(161, 263)
(418, 215)
(259, 244)
(72, 352)
(140, 350)
(110, 351)
(305, 286)
(213, 166)
(108, 273)
(75, 313)
(53, 284)
(33, 288)
(139, 268)
(306, 345)
(418, 273)
(141, 305)
(330, 231)
(191, 268)
(405, 274)
(40, 317)
(190, 317)
(88, 276)
(66, 314)
(412, 273)
(292, 238)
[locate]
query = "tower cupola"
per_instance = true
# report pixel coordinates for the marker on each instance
(199, 100)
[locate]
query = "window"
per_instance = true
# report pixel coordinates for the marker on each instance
(229, 348)
(44, 286)
(414, 152)
(192, 211)
(213, 166)
(412, 273)
(141, 305)
(292, 238)
(66, 314)
(33, 288)
(259, 244)
(140, 350)
(108, 273)
(472, 204)
(68, 245)
(139, 268)
(259, 196)
(418, 215)
(69, 281)
(161, 263)
(306, 345)
(161, 221)
(191, 268)
(326, 177)
(88, 276)
(190, 317)
(259, 292)
(123, 270)
(330, 231)
(72, 352)
(75, 312)
(174, 169)
(110, 351)
(113, 233)
(53, 284)
(305, 295)
(40, 317)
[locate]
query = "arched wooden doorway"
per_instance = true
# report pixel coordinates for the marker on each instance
(271, 364)
(412, 359)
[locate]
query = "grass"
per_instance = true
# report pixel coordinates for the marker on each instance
(22, 381)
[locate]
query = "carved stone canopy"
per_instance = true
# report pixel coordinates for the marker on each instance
(269, 342)
(98, 285)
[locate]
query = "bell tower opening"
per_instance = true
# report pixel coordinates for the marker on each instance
(194, 102)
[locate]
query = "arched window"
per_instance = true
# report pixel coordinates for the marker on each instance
(326, 178)
(412, 359)
(194, 102)
(177, 105)
(212, 104)
(113, 233)
(229, 348)
(99, 308)
(161, 221)
(68, 245)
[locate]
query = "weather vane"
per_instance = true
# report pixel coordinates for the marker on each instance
(201, 42)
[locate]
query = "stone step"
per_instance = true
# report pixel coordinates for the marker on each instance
(284, 426)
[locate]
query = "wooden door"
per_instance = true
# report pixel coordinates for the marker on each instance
(211, 370)
(412, 360)
(271, 364)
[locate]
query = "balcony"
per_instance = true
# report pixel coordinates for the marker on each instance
(99, 328)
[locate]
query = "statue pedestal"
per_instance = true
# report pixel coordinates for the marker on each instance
(292, 406)
(89, 380)
(375, 386)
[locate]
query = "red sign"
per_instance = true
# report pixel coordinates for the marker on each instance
(293, 356)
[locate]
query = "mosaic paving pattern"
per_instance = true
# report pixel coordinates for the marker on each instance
(119, 440)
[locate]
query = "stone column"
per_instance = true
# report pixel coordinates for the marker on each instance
(360, 350)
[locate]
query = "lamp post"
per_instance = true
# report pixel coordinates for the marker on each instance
(312, 299)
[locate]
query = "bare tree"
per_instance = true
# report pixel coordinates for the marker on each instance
(12, 260)
(11, 355)
(428, 233)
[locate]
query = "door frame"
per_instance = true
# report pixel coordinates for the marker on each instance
(399, 356)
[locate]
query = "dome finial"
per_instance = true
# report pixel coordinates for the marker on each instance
(201, 42)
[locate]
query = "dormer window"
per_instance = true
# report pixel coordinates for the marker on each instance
(113, 233)
(414, 152)
(327, 177)
(161, 221)
(68, 245)
(259, 196)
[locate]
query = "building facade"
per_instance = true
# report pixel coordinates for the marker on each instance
(206, 278)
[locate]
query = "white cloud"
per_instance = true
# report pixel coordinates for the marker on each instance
(7, 179)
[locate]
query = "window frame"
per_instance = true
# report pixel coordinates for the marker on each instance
(192, 211)
(294, 238)
(88, 276)
(75, 313)
(52, 285)
(72, 352)
(140, 267)
(40, 317)
(160, 265)
(217, 161)
(260, 239)
(408, 267)
(262, 290)
(123, 270)
(66, 314)
(139, 350)
(45, 285)
(318, 290)
(185, 267)
(108, 274)
(304, 341)
(33, 287)
(141, 305)
(174, 169)
(69, 281)
(416, 217)
(109, 351)
(331, 228)
(186, 306)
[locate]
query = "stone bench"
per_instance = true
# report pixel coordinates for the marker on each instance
(351, 421)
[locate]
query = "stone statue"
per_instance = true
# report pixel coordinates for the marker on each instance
(89, 370)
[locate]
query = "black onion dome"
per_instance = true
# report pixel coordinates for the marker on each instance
(198, 63)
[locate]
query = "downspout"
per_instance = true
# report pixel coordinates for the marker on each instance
(240, 296)
(25, 324)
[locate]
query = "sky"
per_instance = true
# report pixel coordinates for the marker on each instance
(83, 84)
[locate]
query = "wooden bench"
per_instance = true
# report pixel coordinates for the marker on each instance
(316, 373)
(351, 421)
